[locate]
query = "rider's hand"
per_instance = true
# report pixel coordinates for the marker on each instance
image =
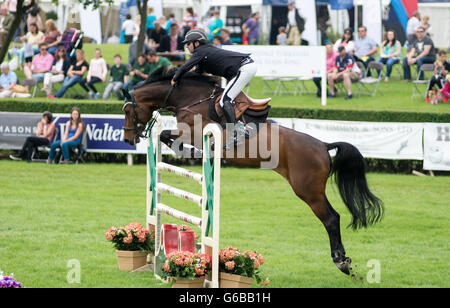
(173, 83)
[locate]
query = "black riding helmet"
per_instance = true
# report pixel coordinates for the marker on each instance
(195, 35)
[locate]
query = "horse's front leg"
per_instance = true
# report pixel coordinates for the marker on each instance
(176, 142)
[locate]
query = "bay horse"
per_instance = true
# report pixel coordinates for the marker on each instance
(303, 160)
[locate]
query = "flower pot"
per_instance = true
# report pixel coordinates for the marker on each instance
(130, 260)
(234, 281)
(187, 283)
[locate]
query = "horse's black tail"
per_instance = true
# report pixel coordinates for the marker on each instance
(349, 170)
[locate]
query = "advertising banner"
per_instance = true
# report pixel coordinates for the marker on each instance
(436, 144)
(16, 127)
(373, 139)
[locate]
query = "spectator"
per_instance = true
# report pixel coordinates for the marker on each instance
(411, 27)
(331, 60)
(226, 37)
(365, 48)
(128, 26)
(96, 73)
(150, 20)
(441, 69)
(251, 27)
(8, 80)
(282, 36)
(156, 34)
(132, 51)
(156, 62)
(33, 17)
(41, 64)
(426, 25)
(44, 134)
(118, 77)
(172, 42)
(347, 41)
(139, 72)
(29, 52)
(217, 41)
(296, 25)
(58, 72)
(345, 70)
(445, 91)
(74, 74)
(170, 21)
(73, 133)
(52, 36)
(390, 53)
(33, 37)
(216, 26)
(422, 52)
(189, 21)
(6, 21)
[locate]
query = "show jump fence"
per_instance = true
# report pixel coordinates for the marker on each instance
(209, 201)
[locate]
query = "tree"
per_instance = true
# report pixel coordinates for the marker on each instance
(21, 8)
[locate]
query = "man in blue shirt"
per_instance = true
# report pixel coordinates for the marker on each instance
(8, 80)
(345, 70)
(366, 48)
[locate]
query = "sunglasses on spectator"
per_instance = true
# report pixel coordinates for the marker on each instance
(420, 31)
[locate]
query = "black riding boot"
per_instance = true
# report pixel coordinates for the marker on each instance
(228, 110)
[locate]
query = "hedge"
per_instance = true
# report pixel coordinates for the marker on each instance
(115, 107)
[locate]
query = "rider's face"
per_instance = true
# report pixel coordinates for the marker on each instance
(190, 47)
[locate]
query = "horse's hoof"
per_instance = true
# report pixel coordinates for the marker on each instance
(344, 265)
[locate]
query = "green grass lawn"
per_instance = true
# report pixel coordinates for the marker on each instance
(50, 214)
(396, 94)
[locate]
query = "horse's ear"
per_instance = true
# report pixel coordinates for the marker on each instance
(126, 94)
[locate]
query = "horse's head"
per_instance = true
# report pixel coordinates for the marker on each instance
(136, 118)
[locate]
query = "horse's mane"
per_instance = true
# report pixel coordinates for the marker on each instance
(162, 74)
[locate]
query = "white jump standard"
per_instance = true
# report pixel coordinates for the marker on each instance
(209, 201)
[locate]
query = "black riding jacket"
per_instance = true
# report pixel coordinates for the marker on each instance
(213, 60)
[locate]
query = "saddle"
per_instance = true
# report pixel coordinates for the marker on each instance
(247, 109)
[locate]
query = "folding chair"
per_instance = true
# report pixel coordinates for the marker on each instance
(365, 82)
(31, 83)
(285, 83)
(270, 85)
(80, 150)
(416, 89)
(303, 88)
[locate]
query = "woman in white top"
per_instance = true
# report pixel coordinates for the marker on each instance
(347, 41)
(97, 73)
(58, 72)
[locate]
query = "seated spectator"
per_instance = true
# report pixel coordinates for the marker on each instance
(44, 134)
(156, 34)
(58, 72)
(156, 62)
(52, 36)
(422, 52)
(139, 72)
(8, 80)
(42, 63)
(97, 73)
(170, 21)
(226, 37)
(347, 41)
(74, 74)
(118, 77)
(73, 133)
(345, 70)
(217, 41)
(34, 17)
(132, 51)
(6, 21)
(441, 69)
(281, 37)
(129, 27)
(331, 59)
(425, 23)
(365, 48)
(390, 53)
(33, 37)
(172, 42)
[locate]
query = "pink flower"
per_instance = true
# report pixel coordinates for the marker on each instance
(265, 282)
(256, 264)
(109, 236)
(261, 259)
(167, 267)
(230, 265)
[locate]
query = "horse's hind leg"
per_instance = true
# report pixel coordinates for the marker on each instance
(322, 208)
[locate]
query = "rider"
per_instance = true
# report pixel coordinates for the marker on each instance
(237, 68)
